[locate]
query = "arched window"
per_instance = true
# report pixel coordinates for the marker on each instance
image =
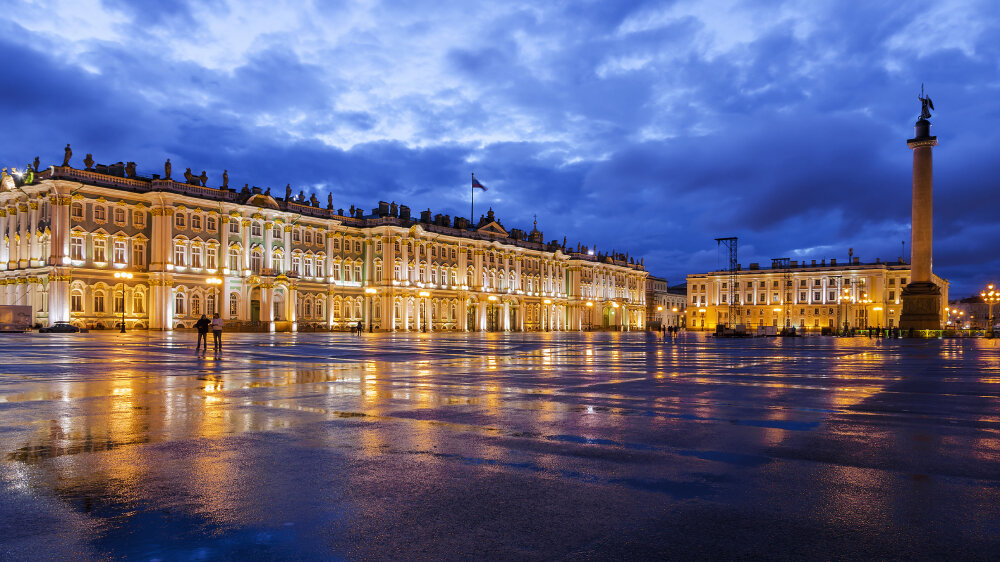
(319, 308)
(234, 305)
(210, 304)
(296, 265)
(76, 211)
(256, 229)
(256, 260)
(179, 304)
(138, 303)
(76, 301)
(276, 261)
(308, 308)
(99, 302)
(234, 259)
(195, 305)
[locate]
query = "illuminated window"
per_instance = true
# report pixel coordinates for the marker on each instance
(138, 254)
(138, 219)
(195, 256)
(234, 305)
(138, 303)
(76, 211)
(179, 304)
(256, 229)
(120, 215)
(76, 248)
(100, 213)
(99, 302)
(100, 251)
(76, 302)
(119, 251)
(234, 226)
(179, 254)
(210, 224)
(196, 222)
(212, 257)
(179, 220)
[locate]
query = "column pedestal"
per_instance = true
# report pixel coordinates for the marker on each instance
(921, 307)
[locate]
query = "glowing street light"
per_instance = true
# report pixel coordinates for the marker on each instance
(990, 296)
(124, 276)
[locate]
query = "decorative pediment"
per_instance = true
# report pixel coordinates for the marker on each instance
(492, 227)
(263, 201)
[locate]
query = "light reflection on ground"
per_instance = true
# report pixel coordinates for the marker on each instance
(499, 446)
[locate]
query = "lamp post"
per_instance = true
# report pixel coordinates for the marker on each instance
(990, 296)
(124, 276)
(370, 291)
(426, 322)
(590, 314)
(216, 281)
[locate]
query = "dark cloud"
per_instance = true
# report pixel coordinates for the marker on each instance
(639, 133)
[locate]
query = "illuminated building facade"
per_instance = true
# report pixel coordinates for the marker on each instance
(286, 263)
(665, 305)
(810, 297)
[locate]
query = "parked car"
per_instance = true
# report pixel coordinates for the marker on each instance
(60, 328)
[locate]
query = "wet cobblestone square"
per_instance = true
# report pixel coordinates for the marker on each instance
(486, 446)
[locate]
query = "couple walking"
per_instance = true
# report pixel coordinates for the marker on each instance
(203, 324)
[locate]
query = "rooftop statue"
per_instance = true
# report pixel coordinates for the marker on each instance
(35, 163)
(288, 192)
(69, 154)
(203, 177)
(188, 176)
(166, 169)
(89, 161)
(225, 179)
(130, 170)
(329, 200)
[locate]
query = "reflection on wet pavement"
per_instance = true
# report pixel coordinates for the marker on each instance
(497, 445)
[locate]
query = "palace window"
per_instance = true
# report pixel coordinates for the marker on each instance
(100, 213)
(119, 305)
(234, 259)
(100, 251)
(276, 232)
(196, 222)
(99, 302)
(210, 224)
(179, 254)
(210, 304)
(179, 304)
(296, 265)
(378, 271)
(276, 261)
(76, 302)
(138, 303)
(357, 273)
(234, 226)
(76, 211)
(816, 295)
(296, 235)
(309, 237)
(138, 254)
(256, 229)
(378, 247)
(833, 296)
(195, 305)
(179, 220)
(138, 219)
(308, 267)
(357, 246)
(320, 266)
(336, 244)
(119, 216)
(308, 308)
(211, 258)
(234, 305)
(76, 248)
(195, 256)
(256, 260)
(119, 251)
(892, 295)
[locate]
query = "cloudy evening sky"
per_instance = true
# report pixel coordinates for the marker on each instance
(647, 127)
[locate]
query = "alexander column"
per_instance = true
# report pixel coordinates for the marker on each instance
(921, 297)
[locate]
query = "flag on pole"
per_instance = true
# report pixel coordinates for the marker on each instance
(475, 183)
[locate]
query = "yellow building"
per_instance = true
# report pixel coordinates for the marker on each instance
(286, 263)
(810, 297)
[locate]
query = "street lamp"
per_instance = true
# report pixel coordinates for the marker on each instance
(370, 291)
(990, 296)
(124, 276)
(217, 306)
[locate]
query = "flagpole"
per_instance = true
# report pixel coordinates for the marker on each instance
(472, 208)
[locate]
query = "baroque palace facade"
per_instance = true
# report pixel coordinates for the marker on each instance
(285, 263)
(809, 297)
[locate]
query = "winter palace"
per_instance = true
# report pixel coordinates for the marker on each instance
(277, 263)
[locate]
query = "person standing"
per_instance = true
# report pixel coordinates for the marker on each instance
(217, 332)
(202, 325)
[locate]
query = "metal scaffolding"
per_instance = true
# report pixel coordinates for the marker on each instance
(732, 303)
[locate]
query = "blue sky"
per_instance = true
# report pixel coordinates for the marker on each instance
(647, 127)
